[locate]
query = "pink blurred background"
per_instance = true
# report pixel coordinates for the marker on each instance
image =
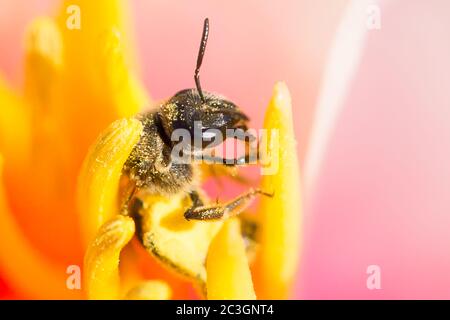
(371, 111)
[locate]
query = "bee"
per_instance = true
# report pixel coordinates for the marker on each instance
(150, 168)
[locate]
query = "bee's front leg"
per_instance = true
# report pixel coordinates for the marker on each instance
(241, 161)
(196, 200)
(126, 196)
(223, 211)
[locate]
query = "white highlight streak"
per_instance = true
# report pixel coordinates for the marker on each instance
(342, 63)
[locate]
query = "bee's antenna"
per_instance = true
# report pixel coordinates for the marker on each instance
(201, 53)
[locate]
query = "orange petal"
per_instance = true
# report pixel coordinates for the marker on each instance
(150, 268)
(101, 265)
(41, 190)
(280, 216)
(228, 273)
(27, 270)
(98, 184)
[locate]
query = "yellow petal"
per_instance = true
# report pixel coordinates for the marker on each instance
(15, 125)
(121, 86)
(280, 216)
(227, 266)
(26, 269)
(98, 184)
(43, 61)
(47, 184)
(130, 273)
(43, 67)
(150, 290)
(100, 61)
(99, 76)
(83, 22)
(180, 244)
(101, 265)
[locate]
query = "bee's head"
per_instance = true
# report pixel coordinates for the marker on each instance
(207, 120)
(205, 116)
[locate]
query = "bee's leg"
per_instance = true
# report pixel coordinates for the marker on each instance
(249, 231)
(124, 207)
(134, 210)
(226, 210)
(243, 160)
(250, 157)
(195, 198)
(128, 191)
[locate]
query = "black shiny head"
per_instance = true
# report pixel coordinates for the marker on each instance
(206, 119)
(204, 115)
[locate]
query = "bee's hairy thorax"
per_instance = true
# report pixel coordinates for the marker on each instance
(148, 165)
